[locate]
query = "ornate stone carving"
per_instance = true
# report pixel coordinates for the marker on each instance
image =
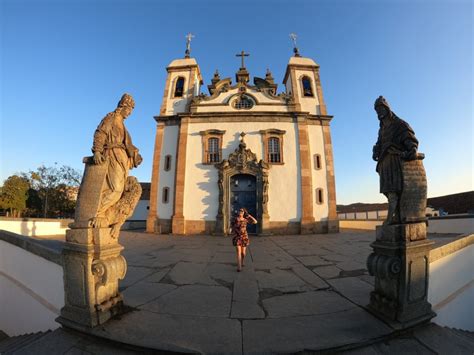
(107, 196)
(242, 161)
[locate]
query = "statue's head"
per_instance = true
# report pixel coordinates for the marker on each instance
(382, 108)
(126, 105)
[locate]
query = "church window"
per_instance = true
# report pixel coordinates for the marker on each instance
(272, 140)
(274, 150)
(319, 196)
(211, 146)
(243, 102)
(165, 195)
(168, 163)
(179, 88)
(213, 150)
(307, 88)
(317, 161)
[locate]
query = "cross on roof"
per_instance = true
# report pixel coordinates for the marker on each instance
(242, 55)
(293, 38)
(188, 37)
(295, 49)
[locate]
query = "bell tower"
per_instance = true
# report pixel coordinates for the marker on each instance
(183, 82)
(303, 84)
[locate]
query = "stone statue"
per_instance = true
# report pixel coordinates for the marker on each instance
(93, 264)
(113, 146)
(400, 258)
(396, 143)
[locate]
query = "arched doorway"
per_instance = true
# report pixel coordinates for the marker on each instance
(243, 181)
(243, 194)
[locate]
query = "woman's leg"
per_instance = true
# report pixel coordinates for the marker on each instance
(239, 257)
(243, 251)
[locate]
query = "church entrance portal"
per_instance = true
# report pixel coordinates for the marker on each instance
(243, 194)
(242, 182)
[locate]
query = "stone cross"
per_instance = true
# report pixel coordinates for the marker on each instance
(295, 49)
(293, 38)
(242, 55)
(188, 37)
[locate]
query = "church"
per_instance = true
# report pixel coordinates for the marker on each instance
(243, 145)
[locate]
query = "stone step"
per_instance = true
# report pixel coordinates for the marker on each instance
(14, 344)
(463, 333)
(444, 341)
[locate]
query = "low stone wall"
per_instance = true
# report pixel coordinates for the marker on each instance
(360, 224)
(34, 227)
(447, 224)
(31, 284)
(451, 286)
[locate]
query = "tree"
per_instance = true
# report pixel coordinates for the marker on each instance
(13, 194)
(57, 188)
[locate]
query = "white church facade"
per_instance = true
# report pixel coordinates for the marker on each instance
(243, 145)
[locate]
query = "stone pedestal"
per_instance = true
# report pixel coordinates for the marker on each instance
(400, 264)
(93, 265)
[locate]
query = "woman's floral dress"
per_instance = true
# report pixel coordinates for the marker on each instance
(239, 230)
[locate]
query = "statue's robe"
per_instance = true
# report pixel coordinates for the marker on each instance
(394, 138)
(112, 139)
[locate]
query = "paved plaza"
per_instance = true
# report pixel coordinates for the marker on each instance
(295, 293)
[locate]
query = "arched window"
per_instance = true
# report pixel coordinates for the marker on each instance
(179, 87)
(168, 163)
(317, 161)
(274, 155)
(319, 196)
(213, 151)
(166, 195)
(211, 146)
(307, 88)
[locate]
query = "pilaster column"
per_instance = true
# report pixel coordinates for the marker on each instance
(333, 222)
(307, 217)
(151, 225)
(177, 221)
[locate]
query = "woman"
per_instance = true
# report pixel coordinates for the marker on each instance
(241, 238)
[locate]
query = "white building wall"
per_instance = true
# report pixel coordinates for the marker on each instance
(33, 227)
(201, 191)
(308, 104)
(319, 176)
(167, 178)
(141, 211)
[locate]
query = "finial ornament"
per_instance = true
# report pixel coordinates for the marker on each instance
(188, 37)
(293, 37)
(242, 55)
(242, 135)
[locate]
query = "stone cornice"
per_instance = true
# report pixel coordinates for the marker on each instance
(199, 117)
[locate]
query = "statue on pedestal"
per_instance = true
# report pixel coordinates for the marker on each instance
(400, 257)
(93, 264)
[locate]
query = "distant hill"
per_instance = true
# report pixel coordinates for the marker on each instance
(452, 204)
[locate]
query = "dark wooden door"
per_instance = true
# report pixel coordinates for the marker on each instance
(243, 193)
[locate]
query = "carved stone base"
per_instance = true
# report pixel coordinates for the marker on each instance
(400, 264)
(307, 225)
(333, 226)
(178, 225)
(93, 267)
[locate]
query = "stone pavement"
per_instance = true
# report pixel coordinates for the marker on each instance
(298, 293)
(294, 293)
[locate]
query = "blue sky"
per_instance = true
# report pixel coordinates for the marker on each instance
(65, 64)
